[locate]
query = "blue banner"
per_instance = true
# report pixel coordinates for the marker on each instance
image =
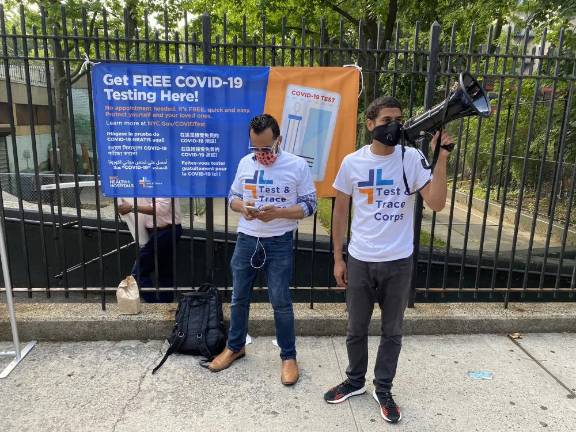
(173, 130)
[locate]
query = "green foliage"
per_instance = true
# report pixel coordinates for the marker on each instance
(517, 131)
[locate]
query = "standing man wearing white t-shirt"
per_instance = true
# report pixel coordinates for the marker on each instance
(382, 179)
(271, 191)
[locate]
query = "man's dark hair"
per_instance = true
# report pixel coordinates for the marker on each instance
(379, 103)
(264, 121)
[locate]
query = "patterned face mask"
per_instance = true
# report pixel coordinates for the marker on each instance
(266, 155)
(266, 158)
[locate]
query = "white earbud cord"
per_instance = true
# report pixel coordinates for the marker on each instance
(258, 243)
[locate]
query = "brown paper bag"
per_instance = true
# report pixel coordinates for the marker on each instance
(128, 296)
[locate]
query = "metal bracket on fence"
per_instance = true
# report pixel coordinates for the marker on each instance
(18, 353)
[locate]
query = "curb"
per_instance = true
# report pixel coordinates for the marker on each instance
(87, 322)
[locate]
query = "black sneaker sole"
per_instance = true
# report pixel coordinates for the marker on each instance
(375, 396)
(349, 395)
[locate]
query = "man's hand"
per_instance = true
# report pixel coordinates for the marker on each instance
(434, 193)
(341, 273)
(248, 213)
(125, 208)
(268, 213)
(445, 141)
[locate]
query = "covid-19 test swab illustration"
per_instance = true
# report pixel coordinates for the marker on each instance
(308, 123)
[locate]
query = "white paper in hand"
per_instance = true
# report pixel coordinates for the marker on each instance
(130, 221)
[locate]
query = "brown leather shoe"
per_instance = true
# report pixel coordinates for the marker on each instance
(225, 359)
(290, 373)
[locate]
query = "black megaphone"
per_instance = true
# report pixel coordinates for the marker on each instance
(468, 98)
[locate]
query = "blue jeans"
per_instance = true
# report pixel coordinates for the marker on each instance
(274, 255)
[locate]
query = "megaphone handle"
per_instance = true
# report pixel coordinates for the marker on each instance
(436, 153)
(438, 144)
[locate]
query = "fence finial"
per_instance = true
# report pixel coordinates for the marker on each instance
(359, 68)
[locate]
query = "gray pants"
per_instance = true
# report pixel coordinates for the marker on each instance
(388, 284)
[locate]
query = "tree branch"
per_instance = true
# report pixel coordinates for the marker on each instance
(76, 77)
(90, 31)
(91, 28)
(77, 74)
(390, 20)
(341, 11)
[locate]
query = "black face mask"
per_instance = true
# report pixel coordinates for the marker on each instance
(388, 134)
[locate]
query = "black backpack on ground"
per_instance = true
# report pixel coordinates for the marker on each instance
(199, 328)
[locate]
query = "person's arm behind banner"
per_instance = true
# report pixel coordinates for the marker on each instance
(126, 207)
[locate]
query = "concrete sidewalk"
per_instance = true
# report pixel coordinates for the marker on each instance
(460, 226)
(107, 386)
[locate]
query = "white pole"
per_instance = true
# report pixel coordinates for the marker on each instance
(17, 353)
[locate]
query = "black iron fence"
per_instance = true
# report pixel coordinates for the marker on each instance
(507, 233)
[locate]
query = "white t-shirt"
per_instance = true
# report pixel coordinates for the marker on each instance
(383, 215)
(279, 184)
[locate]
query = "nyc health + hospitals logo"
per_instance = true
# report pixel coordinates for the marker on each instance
(145, 183)
(258, 179)
(374, 181)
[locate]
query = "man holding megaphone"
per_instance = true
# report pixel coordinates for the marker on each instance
(382, 179)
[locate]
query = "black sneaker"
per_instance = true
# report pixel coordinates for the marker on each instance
(342, 392)
(388, 408)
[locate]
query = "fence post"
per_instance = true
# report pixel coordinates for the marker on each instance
(428, 100)
(207, 59)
